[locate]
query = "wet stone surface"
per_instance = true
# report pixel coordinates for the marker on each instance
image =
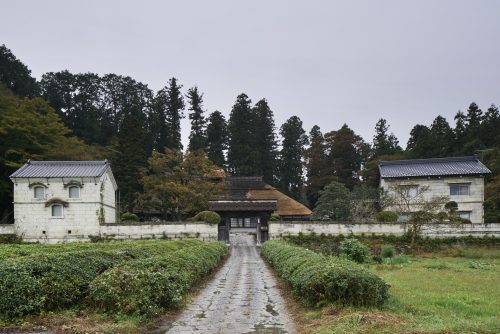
(242, 298)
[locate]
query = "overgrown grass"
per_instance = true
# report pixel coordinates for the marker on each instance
(433, 293)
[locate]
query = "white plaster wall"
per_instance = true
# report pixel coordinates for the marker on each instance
(179, 230)
(7, 229)
(441, 187)
(108, 192)
(279, 229)
(79, 219)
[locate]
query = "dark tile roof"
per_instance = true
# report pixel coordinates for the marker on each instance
(61, 169)
(432, 167)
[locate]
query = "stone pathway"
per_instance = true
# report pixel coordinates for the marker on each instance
(242, 298)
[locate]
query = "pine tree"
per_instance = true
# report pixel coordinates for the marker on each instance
(265, 141)
(317, 169)
(290, 171)
(197, 137)
(175, 106)
(242, 157)
(383, 142)
(216, 138)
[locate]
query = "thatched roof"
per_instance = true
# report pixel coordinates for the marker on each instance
(253, 189)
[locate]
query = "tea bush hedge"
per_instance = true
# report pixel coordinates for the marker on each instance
(146, 287)
(51, 277)
(317, 278)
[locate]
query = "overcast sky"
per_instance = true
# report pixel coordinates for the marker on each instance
(328, 62)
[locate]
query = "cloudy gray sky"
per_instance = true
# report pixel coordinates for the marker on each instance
(329, 62)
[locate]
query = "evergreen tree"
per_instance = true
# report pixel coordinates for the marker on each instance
(334, 203)
(175, 106)
(290, 171)
(383, 142)
(347, 153)
(420, 142)
(442, 137)
(490, 134)
(15, 75)
(197, 137)
(460, 132)
(131, 156)
(159, 124)
(216, 138)
(242, 156)
(317, 169)
(265, 141)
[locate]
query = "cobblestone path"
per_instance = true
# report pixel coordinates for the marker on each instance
(241, 298)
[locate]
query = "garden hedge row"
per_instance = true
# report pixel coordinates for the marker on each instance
(146, 287)
(40, 281)
(317, 278)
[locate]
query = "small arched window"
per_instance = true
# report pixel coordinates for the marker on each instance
(57, 210)
(39, 192)
(74, 192)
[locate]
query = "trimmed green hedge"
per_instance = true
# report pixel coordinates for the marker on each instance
(317, 278)
(146, 287)
(209, 217)
(45, 278)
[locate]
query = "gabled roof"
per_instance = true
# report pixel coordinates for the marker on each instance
(50, 169)
(432, 167)
(250, 193)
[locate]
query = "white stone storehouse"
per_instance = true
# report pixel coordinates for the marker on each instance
(461, 179)
(63, 200)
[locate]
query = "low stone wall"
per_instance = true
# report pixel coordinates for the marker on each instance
(149, 230)
(279, 229)
(7, 229)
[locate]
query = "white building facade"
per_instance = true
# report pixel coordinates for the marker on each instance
(458, 179)
(63, 200)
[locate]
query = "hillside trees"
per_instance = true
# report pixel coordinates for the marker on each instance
(383, 142)
(15, 75)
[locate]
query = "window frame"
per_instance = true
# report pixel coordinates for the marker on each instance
(43, 193)
(459, 188)
(69, 192)
(406, 190)
(467, 212)
(52, 211)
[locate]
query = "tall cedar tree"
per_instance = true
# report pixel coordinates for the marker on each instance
(290, 169)
(317, 167)
(175, 106)
(420, 142)
(15, 75)
(347, 153)
(383, 142)
(216, 138)
(242, 156)
(197, 137)
(131, 156)
(442, 136)
(265, 141)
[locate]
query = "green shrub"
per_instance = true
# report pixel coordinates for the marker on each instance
(354, 250)
(35, 278)
(275, 217)
(387, 216)
(209, 217)
(10, 239)
(129, 217)
(388, 251)
(318, 279)
(146, 287)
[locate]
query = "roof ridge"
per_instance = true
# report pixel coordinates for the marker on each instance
(428, 160)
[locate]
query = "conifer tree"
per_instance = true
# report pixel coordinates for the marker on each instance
(197, 137)
(175, 106)
(131, 156)
(420, 142)
(159, 124)
(317, 168)
(216, 138)
(265, 141)
(242, 156)
(383, 142)
(442, 137)
(294, 140)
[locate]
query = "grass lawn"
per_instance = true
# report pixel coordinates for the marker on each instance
(456, 291)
